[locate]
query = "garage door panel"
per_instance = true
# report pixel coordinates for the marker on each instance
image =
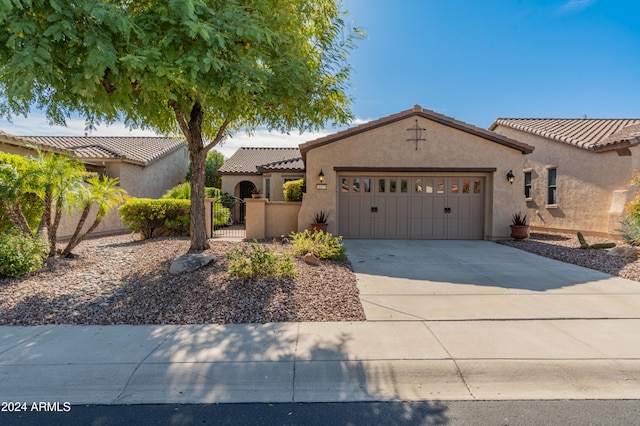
(412, 207)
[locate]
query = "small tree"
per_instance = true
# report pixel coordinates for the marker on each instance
(102, 192)
(204, 68)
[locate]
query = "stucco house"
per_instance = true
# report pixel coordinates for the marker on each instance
(577, 179)
(416, 174)
(266, 169)
(146, 166)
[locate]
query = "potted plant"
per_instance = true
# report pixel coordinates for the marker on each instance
(519, 227)
(256, 192)
(320, 221)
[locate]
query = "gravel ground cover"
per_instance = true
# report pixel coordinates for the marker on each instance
(565, 247)
(116, 280)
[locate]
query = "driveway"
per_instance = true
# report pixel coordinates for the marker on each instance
(402, 280)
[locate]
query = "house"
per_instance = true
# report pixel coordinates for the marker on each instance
(266, 169)
(416, 174)
(146, 166)
(577, 179)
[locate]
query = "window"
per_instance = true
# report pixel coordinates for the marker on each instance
(527, 184)
(267, 188)
(552, 196)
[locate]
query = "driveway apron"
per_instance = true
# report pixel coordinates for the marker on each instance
(409, 280)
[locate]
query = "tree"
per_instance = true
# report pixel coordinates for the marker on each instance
(212, 164)
(102, 192)
(60, 183)
(205, 68)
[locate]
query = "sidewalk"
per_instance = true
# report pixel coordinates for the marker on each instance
(322, 362)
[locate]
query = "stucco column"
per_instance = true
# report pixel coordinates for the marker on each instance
(207, 215)
(255, 220)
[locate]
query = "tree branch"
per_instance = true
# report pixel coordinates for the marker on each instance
(105, 81)
(180, 118)
(218, 137)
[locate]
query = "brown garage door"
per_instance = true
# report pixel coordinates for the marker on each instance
(411, 207)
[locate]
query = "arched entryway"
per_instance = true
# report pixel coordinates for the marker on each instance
(244, 189)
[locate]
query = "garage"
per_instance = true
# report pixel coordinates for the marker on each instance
(417, 175)
(411, 206)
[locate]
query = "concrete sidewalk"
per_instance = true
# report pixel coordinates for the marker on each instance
(446, 321)
(305, 362)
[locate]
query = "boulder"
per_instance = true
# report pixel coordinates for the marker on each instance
(629, 252)
(190, 262)
(312, 259)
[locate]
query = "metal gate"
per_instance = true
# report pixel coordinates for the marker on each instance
(228, 217)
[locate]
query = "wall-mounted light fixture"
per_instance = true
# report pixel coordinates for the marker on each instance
(510, 177)
(321, 184)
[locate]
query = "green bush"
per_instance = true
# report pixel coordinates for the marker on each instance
(323, 244)
(32, 205)
(182, 191)
(155, 218)
(257, 261)
(21, 253)
(293, 190)
(630, 230)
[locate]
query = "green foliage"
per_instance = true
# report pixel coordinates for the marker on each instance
(212, 164)
(293, 190)
(18, 184)
(154, 218)
(630, 230)
(21, 253)
(323, 244)
(603, 245)
(200, 67)
(258, 261)
(518, 219)
(583, 242)
(182, 191)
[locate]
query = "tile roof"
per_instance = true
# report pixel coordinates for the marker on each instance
(594, 134)
(417, 110)
(137, 150)
(254, 161)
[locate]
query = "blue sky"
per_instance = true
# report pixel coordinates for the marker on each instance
(474, 61)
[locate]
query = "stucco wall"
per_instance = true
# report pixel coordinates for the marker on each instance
(230, 183)
(592, 187)
(444, 147)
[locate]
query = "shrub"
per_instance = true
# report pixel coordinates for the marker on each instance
(256, 261)
(155, 218)
(630, 230)
(293, 190)
(182, 191)
(323, 244)
(31, 204)
(21, 253)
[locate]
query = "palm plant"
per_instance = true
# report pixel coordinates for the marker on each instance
(102, 192)
(59, 183)
(12, 185)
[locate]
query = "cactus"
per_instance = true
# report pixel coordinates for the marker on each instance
(583, 242)
(603, 245)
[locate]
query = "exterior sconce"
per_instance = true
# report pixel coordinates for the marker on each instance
(510, 177)
(321, 185)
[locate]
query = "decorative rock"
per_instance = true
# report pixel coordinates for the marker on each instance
(189, 262)
(630, 252)
(312, 259)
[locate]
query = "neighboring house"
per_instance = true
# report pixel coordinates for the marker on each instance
(266, 169)
(412, 175)
(146, 166)
(577, 179)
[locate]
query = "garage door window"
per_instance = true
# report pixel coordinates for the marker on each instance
(356, 184)
(392, 185)
(381, 185)
(418, 185)
(404, 185)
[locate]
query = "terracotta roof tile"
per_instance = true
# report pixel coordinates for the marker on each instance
(417, 110)
(594, 134)
(253, 161)
(137, 150)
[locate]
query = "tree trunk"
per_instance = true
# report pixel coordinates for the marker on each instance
(53, 231)
(72, 242)
(45, 220)
(192, 131)
(17, 218)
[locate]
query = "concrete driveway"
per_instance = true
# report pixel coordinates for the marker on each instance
(481, 280)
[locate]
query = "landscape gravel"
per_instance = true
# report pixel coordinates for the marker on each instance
(565, 247)
(116, 280)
